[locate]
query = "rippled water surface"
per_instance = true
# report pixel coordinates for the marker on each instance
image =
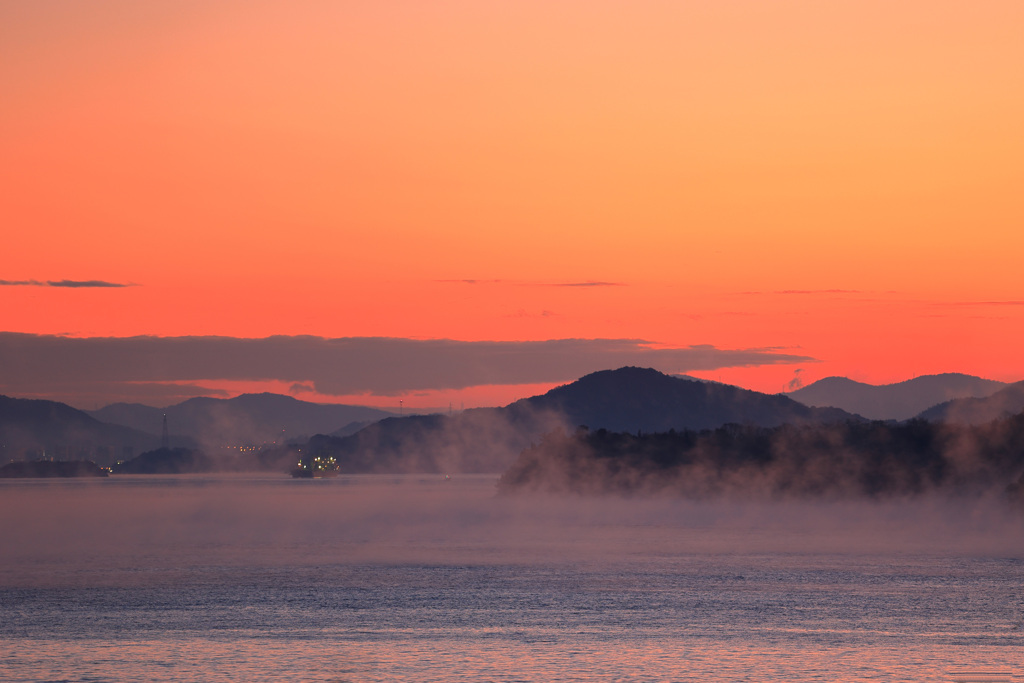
(421, 578)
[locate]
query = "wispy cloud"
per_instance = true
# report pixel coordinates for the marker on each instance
(797, 380)
(470, 282)
(806, 292)
(819, 291)
(61, 283)
(353, 365)
(1010, 302)
(85, 283)
(523, 313)
(583, 284)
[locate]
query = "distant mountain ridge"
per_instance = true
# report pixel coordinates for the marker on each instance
(629, 400)
(489, 439)
(632, 398)
(244, 419)
(898, 401)
(974, 411)
(36, 428)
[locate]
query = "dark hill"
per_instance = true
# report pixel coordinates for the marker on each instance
(166, 461)
(899, 401)
(1008, 401)
(631, 399)
(133, 415)
(34, 428)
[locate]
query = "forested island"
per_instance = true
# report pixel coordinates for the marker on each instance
(840, 460)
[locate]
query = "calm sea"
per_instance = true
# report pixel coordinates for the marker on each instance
(375, 578)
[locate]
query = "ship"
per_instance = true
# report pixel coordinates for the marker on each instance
(318, 467)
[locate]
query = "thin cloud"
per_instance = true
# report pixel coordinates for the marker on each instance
(984, 303)
(85, 283)
(470, 282)
(61, 283)
(806, 291)
(523, 313)
(585, 283)
(819, 291)
(37, 364)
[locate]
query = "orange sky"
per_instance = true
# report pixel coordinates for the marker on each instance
(838, 180)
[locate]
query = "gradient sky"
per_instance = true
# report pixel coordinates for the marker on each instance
(810, 188)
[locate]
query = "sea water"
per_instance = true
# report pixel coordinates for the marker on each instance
(428, 578)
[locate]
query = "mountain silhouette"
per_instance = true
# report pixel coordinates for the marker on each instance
(973, 411)
(899, 401)
(631, 399)
(167, 461)
(245, 419)
(31, 428)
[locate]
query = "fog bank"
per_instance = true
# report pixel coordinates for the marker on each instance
(166, 529)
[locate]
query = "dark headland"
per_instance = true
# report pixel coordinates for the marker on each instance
(51, 469)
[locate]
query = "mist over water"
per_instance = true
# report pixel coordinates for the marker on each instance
(175, 521)
(419, 577)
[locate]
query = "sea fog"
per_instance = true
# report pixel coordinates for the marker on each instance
(172, 523)
(435, 578)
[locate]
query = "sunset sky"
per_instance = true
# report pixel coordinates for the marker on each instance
(470, 202)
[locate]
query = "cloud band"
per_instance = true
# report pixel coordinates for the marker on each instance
(60, 283)
(342, 366)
